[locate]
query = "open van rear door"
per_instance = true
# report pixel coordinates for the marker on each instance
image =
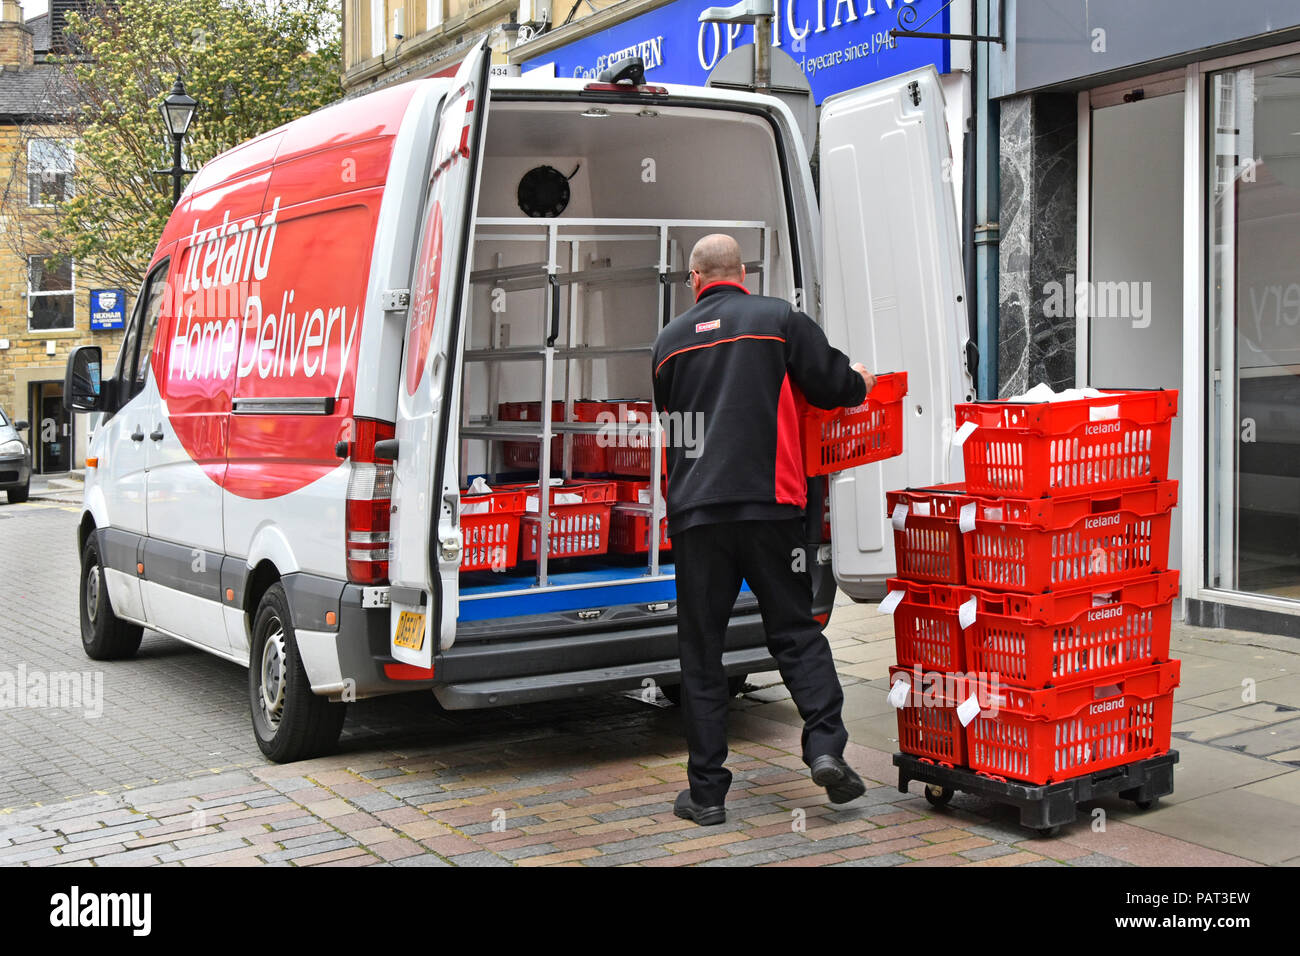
(424, 543)
(893, 296)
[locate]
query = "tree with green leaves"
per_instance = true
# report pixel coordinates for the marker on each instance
(252, 65)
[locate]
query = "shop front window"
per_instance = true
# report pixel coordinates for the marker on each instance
(1253, 465)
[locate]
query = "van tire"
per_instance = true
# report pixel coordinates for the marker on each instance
(104, 636)
(735, 687)
(18, 495)
(289, 721)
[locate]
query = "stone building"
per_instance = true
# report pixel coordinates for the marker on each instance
(44, 308)
(390, 41)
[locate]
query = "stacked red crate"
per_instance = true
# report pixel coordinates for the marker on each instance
(1035, 597)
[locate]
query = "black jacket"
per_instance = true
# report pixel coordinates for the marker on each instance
(723, 373)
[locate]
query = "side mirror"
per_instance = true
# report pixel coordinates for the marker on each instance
(20, 426)
(83, 382)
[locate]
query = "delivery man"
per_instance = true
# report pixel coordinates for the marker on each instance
(723, 377)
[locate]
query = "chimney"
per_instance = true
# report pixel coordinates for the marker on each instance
(15, 36)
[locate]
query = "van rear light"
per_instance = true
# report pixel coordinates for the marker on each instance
(369, 504)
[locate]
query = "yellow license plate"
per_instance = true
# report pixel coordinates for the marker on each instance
(410, 631)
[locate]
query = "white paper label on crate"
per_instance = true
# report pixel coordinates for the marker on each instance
(534, 502)
(643, 496)
(891, 601)
(475, 507)
(898, 693)
(966, 614)
(992, 514)
(966, 518)
(968, 710)
(900, 516)
(921, 509)
(1103, 413)
(963, 433)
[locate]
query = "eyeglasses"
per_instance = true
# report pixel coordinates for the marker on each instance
(687, 280)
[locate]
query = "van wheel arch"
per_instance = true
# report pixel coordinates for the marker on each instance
(85, 530)
(259, 579)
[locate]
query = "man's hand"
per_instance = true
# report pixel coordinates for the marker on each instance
(866, 376)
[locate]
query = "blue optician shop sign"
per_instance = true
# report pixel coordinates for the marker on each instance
(839, 44)
(107, 309)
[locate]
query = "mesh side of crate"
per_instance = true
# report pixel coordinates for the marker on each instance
(932, 732)
(929, 637)
(488, 541)
(1077, 650)
(1005, 556)
(928, 551)
(1043, 751)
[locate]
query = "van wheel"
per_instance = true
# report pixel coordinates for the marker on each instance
(104, 636)
(735, 685)
(18, 495)
(289, 721)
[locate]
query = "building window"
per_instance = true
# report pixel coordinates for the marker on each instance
(1253, 482)
(51, 293)
(49, 171)
(378, 30)
(433, 14)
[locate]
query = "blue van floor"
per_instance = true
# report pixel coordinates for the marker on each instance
(487, 596)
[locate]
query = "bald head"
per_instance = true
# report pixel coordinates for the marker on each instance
(717, 257)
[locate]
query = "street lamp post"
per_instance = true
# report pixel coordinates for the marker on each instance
(178, 112)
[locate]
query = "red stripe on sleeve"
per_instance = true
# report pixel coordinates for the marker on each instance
(791, 487)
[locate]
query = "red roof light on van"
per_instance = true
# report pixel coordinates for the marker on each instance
(625, 88)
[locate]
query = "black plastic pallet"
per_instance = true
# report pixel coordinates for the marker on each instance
(1044, 807)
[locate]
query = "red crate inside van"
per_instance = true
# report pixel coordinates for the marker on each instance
(624, 454)
(577, 529)
(1045, 544)
(637, 492)
(1031, 449)
(629, 530)
(1042, 736)
(609, 452)
(489, 524)
(844, 438)
(524, 454)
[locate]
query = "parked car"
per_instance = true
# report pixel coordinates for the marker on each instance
(340, 311)
(15, 460)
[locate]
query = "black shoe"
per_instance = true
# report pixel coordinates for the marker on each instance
(841, 783)
(688, 809)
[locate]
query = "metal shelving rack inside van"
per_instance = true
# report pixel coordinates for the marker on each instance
(553, 275)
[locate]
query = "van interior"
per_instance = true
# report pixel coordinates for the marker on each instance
(587, 213)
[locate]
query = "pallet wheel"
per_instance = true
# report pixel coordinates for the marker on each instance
(1146, 804)
(1046, 833)
(936, 795)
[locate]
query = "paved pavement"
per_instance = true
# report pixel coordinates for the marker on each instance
(167, 772)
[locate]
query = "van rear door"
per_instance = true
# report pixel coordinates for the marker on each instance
(424, 542)
(893, 296)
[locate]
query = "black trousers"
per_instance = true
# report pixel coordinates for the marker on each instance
(711, 561)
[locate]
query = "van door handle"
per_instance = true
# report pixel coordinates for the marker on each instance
(138, 434)
(157, 433)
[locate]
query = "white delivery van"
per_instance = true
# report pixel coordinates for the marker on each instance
(350, 319)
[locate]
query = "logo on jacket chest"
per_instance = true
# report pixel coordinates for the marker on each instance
(707, 326)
